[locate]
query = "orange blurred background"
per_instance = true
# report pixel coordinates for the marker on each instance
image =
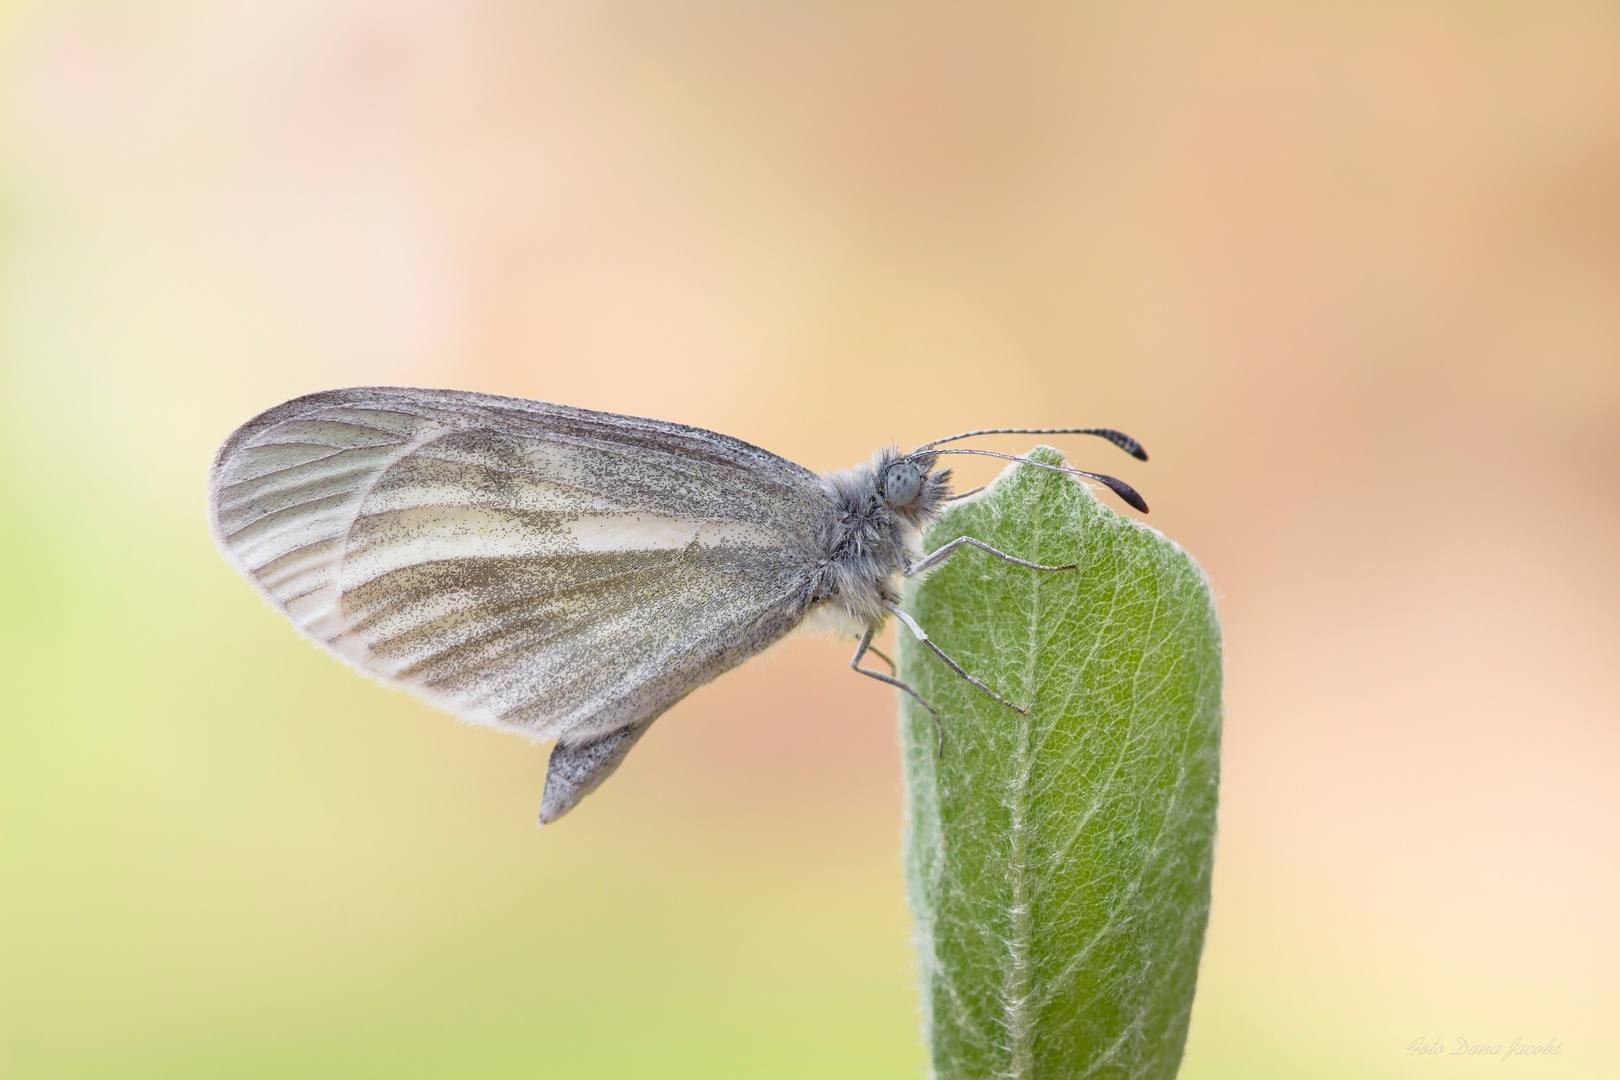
(1350, 270)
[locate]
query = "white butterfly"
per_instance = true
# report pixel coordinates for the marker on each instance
(560, 572)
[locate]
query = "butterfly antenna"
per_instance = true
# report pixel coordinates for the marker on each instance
(1118, 438)
(1117, 486)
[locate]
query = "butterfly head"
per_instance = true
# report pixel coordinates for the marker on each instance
(912, 487)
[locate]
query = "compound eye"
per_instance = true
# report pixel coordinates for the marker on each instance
(901, 484)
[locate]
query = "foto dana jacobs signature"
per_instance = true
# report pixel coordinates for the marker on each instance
(1459, 1046)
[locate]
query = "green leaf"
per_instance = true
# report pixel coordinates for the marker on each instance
(1058, 861)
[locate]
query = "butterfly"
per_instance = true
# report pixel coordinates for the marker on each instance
(570, 574)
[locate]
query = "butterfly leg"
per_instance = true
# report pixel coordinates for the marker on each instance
(855, 665)
(922, 636)
(883, 656)
(940, 554)
(577, 768)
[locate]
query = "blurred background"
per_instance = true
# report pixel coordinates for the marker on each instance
(1350, 270)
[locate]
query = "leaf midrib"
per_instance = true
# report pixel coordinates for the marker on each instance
(1017, 994)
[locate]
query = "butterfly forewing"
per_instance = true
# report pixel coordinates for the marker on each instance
(537, 567)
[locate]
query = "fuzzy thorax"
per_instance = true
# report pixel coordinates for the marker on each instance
(880, 510)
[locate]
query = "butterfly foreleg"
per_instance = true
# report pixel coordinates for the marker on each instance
(940, 554)
(865, 647)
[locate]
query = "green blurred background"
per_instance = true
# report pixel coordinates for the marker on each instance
(1351, 271)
